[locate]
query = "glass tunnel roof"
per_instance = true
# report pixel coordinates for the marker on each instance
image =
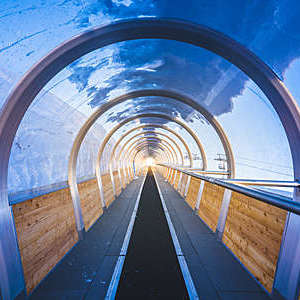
(41, 149)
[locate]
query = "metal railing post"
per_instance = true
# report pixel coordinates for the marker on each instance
(112, 180)
(174, 178)
(287, 276)
(223, 213)
(199, 196)
(179, 182)
(187, 186)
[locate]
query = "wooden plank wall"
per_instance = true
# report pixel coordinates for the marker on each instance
(192, 194)
(46, 227)
(117, 182)
(46, 231)
(107, 189)
(253, 232)
(90, 202)
(210, 204)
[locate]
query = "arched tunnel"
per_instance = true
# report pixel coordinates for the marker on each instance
(149, 150)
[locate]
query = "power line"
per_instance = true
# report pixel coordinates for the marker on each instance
(264, 162)
(267, 170)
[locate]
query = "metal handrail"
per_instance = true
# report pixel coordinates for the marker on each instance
(279, 201)
(260, 182)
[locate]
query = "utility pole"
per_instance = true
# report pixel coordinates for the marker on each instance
(222, 161)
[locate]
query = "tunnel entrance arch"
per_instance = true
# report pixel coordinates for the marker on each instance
(72, 180)
(144, 135)
(145, 126)
(73, 185)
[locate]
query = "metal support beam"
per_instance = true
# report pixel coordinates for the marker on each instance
(223, 213)
(112, 181)
(127, 154)
(143, 149)
(187, 186)
(149, 137)
(142, 144)
(158, 126)
(100, 185)
(72, 161)
(287, 276)
(174, 178)
(179, 182)
(258, 182)
(119, 165)
(199, 196)
(12, 281)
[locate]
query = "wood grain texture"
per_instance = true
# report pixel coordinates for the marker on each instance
(118, 186)
(253, 232)
(90, 202)
(192, 194)
(210, 204)
(107, 189)
(46, 231)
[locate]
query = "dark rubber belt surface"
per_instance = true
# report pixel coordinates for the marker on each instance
(151, 269)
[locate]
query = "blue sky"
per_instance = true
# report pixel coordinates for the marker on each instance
(30, 29)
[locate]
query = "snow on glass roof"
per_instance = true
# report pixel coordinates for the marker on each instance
(30, 29)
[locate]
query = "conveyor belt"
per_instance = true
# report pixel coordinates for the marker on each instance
(151, 269)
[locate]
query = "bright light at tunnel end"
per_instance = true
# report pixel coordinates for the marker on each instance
(149, 161)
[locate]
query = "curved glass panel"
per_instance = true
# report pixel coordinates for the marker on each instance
(270, 28)
(43, 143)
(158, 132)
